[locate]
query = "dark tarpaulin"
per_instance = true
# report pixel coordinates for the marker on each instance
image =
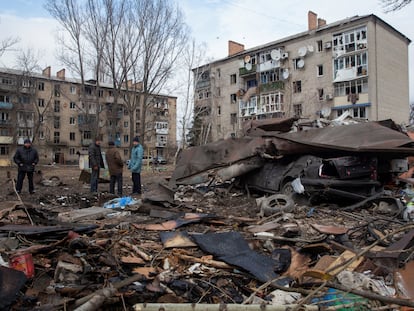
(361, 137)
(231, 248)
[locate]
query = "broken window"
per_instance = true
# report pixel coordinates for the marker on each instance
(320, 94)
(320, 70)
(233, 98)
(297, 86)
(233, 79)
(297, 110)
(233, 118)
(320, 45)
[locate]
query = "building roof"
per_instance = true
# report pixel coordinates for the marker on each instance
(66, 79)
(329, 26)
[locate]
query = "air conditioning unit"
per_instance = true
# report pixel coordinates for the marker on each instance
(328, 45)
(328, 96)
(285, 55)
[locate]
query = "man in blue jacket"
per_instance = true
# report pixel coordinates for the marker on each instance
(135, 165)
(26, 157)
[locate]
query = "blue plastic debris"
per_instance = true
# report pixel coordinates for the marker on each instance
(120, 202)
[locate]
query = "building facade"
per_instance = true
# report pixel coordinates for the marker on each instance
(49, 110)
(358, 65)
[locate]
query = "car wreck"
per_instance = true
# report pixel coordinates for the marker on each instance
(343, 163)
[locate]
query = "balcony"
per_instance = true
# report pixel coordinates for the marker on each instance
(243, 71)
(161, 131)
(161, 144)
(57, 143)
(5, 123)
(6, 140)
(6, 105)
(86, 141)
(274, 86)
(202, 84)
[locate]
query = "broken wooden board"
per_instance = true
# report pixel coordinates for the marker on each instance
(91, 213)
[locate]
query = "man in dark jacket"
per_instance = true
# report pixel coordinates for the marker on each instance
(95, 162)
(115, 167)
(26, 158)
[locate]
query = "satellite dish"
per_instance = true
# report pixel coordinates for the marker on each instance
(248, 66)
(302, 51)
(285, 74)
(326, 112)
(310, 48)
(247, 58)
(301, 63)
(275, 54)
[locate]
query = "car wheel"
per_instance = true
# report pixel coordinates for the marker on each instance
(276, 203)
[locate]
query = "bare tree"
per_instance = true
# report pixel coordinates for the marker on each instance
(7, 43)
(164, 36)
(394, 5)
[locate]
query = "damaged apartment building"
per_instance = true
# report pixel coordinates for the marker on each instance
(49, 110)
(358, 65)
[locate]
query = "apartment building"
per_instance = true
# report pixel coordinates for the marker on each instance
(48, 110)
(357, 65)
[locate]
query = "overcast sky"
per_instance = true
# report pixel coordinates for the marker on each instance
(214, 22)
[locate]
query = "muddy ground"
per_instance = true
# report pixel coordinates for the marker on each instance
(129, 244)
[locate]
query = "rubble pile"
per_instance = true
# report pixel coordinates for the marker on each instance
(215, 236)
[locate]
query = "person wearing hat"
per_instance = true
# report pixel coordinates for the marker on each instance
(26, 158)
(135, 164)
(95, 162)
(115, 167)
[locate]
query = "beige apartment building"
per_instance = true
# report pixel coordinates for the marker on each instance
(358, 65)
(48, 110)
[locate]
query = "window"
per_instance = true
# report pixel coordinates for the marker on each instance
(24, 100)
(233, 118)
(56, 107)
(56, 137)
(320, 45)
(100, 93)
(5, 98)
(126, 123)
(72, 136)
(57, 90)
(218, 73)
(297, 110)
(72, 89)
(4, 117)
(56, 122)
(297, 86)
(41, 86)
(72, 105)
(233, 98)
(87, 135)
(72, 120)
(4, 150)
(41, 119)
(320, 94)
(41, 135)
(126, 138)
(219, 110)
(297, 63)
(7, 81)
(71, 151)
(233, 79)
(320, 70)
(40, 102)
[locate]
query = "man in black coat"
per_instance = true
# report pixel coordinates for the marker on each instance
(95, 162)
(26, 158)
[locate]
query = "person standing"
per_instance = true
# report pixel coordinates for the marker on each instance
(26, 158)
(135, 165)
(115, 167)
(95, 162)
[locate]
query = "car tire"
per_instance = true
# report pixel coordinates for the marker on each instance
(276, 203)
